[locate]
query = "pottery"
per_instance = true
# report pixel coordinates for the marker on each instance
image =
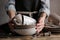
(24, 29)
(29, 31)
(25, 20)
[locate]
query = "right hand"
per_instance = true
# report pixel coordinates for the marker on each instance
(11, 25)
(11, 14)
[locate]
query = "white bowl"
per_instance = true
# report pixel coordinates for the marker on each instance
(29, 31)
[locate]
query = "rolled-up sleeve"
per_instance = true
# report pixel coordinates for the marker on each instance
(11, 5)
(45, 7)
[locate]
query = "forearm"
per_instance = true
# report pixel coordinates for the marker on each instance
(11, 11)
(42, 16)
(11, 14)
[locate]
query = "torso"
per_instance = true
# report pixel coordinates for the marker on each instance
(27, 5)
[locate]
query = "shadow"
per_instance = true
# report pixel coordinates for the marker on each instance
(4, 28)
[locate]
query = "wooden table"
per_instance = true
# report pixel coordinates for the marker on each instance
(52, 37)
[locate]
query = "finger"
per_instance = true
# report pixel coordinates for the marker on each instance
(37, 25)
(12, 24)
(40, 25)
(40, 28)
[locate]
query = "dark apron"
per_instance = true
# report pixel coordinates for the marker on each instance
(28, 6)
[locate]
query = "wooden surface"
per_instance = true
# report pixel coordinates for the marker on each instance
(52, 37)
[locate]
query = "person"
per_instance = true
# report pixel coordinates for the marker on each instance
(41, 6)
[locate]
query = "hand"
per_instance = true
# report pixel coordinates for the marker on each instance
(40, 25)
(11, 25)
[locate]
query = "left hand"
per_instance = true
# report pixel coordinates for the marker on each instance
(40, 25)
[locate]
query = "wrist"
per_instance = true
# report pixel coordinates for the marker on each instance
(43, 15)
(11, 14)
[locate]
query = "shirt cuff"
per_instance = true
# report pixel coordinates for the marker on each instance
(47, 11)
(11, 7)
